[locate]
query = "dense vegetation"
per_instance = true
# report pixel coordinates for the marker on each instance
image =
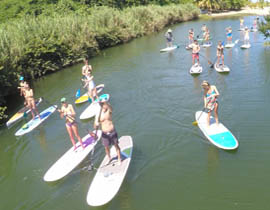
(264, 27)
(33, 46)
(216, 5)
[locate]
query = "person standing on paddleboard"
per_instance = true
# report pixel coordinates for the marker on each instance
(195, 52)
(220, 53)
(206, 36)
(241, 23)
(89, 83)
(229, 34)
(30, 101)
(169, 37)
(86, 68)
(191, 36)
(71, 125)
(246, 36)
(109, 134)
(210, 100)
(22, 86)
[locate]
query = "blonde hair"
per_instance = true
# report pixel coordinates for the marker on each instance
(205, 83)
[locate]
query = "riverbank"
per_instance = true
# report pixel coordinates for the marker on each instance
(35, 46)
(244, 11)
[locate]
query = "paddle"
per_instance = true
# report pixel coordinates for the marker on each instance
(209, 62)
(195, 123)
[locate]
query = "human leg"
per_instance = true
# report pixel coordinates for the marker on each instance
(216, 113)
(69, 130)
(75, 130)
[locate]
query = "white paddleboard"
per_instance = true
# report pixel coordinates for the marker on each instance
(85, 97)
(195, 69)
(220, 68)
(109, 178)
(32, 124)
(19, 115)
(71, 158)
(245, 46)
(218, 135)
(229, 45)
(253, 29)
(209, 44)
(93, 108)
(189, 47)
(167, 49)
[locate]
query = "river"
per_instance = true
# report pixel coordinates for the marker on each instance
(154, 100)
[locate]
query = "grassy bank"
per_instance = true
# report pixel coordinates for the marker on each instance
(33, 47)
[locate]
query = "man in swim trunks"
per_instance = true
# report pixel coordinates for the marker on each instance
(169, 37)
(109, 134)
(195, 52)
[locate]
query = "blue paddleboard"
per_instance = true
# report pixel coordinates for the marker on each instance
(218, 135)
(32, 124)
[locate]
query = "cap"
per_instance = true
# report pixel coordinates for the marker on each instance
(21, 78)
(63, 100)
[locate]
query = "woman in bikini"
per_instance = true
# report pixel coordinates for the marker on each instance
(220, 53)
(30, 101)
(229, 35)
(191, 36)
(210, 100)
(71, 125)
(89, 83)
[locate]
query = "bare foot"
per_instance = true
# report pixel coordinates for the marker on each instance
(75, 148)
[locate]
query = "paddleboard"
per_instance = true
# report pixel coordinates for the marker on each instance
(167, 49)
(202, 39)
(218, 135)
(109, 178)
(71, 158)
(253, 30)
(220, 68)
(241, 29)
(32, 124)
(85, 97)
(189, 47)
(93, 108)
(245, 46)
(195, 69)
(229, 45)
(209, 44)
(19, 115)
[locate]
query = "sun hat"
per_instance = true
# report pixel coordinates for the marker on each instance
(63, 100)
(170, 30)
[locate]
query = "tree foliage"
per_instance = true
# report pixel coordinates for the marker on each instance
(264, 26)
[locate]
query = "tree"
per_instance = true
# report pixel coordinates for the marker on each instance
(264, 26)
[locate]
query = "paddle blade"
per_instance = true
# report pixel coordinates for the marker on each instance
(24, 114)
(236, 41)
(78, 93)
(195, 123)
(89, 99)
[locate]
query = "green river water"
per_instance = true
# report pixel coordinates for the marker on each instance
(154, 99)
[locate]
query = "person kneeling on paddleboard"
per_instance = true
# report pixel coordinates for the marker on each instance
(195, 52)
(109, 135)
(220, 53)
(30, 101)
(169, 37)
(210, 100)
(71, 125)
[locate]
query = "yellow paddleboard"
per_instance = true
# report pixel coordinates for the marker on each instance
(84, 97)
